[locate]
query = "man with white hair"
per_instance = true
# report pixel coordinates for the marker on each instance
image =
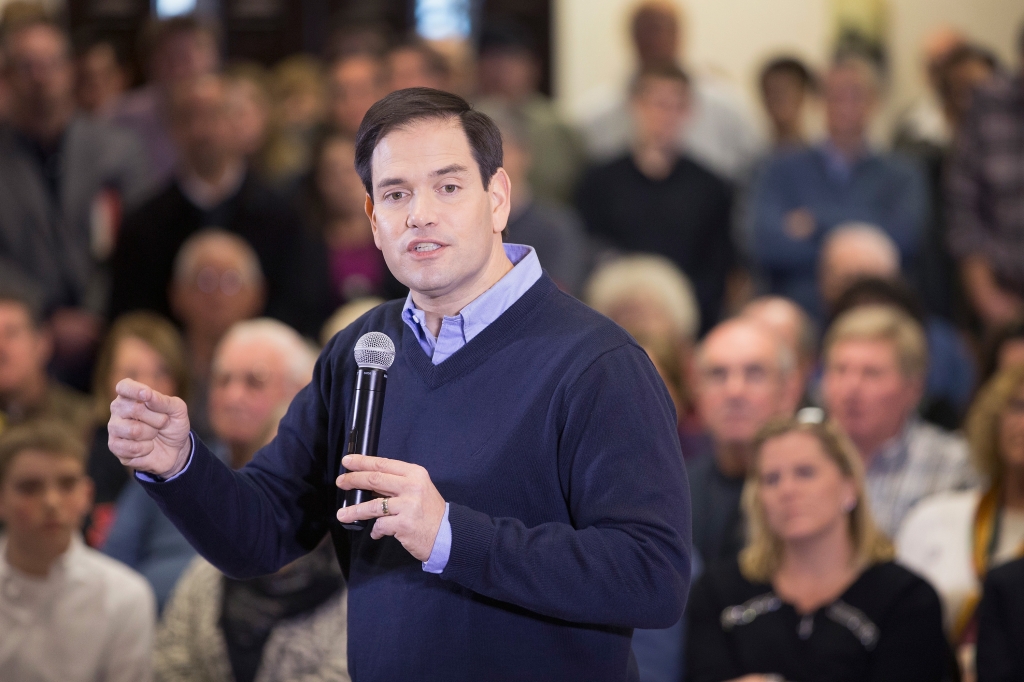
(217, 282)
(855, 252)
(793, 325)
(744, 375)
(258, 368)
(801, 196)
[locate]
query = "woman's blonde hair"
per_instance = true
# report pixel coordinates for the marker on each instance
(983, 421)
(762, 556)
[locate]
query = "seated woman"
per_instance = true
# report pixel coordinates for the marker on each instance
(814, 595)
(1001, 625)
(954, 539)
(141, 346)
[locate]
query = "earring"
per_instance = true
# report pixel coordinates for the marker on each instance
(849, 506)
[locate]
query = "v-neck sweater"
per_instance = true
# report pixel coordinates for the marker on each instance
(553, 440)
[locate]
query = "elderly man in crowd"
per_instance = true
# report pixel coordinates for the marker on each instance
(985, 183)
(793, 325)
(853, 252)
(355, 81)
(744, 375)
(876, 360)
(657, 199)
(213, 187)
(801, 196)
(217, 283)
(26, 392)
(60, 171)
(258, 368)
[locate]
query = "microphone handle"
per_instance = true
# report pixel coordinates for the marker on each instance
(364, 433)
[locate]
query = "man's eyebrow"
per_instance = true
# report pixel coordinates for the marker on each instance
(390, 182)
(453, 169)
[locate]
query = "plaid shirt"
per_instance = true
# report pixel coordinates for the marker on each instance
(985, 182)
(921, 461)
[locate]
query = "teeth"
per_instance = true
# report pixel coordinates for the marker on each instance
(427, 247)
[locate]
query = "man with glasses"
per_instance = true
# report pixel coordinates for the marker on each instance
(744, 375)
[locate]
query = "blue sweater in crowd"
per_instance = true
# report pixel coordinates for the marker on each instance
(554, 441)
(885, 190)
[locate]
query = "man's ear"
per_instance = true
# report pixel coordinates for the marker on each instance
(500, 191)
(369, 208)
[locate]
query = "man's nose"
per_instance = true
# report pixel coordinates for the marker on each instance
(422, 210)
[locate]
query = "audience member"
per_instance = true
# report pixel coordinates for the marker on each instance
(248, 97)
(214, 188)
(26, 391)
(67, 613)
(413, 63)
(983, 199)
(651, 298)
(176, 51)
(57, 169)
(553, 229)
(140, 346)
(721, 136)
(291, 625)
(744, 376)
(355, 81)
(654, 199)
(100, 78)
(1001, 625)
(955, 78)
(786, 84)
(925, 121)
(953, 539)
(814, 594)
(258, 368)
(794, 326)
(860, 264)
(217, 283)
(875, 362)
(508, 71)
(802, 195)
(299, 102)
(338, 211)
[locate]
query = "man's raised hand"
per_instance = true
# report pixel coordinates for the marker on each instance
(149, 431)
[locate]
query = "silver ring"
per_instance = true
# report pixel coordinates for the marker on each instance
(384, 505)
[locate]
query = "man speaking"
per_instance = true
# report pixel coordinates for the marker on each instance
(531, 505)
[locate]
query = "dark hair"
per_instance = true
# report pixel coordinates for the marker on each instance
(790, 66)
(960, 55)
(26, 296)
(44, 435)
(403, 107)
(156, 33)
(993, 346)
(875, 290)
(506, 37)
(664, 71)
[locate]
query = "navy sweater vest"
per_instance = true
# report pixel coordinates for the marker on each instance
(554, 440)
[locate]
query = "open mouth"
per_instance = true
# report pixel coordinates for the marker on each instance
(426, 247)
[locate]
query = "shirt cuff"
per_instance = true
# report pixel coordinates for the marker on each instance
(142, 476)
(438, 558)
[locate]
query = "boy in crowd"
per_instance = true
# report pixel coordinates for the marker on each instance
(67, 613)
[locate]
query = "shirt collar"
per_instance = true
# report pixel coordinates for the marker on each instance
(67, 566)
(488, 306)
(838, 164)
(895, 450)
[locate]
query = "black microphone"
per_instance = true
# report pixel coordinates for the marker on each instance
(374, 354)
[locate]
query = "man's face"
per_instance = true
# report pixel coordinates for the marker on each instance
(355, 84)
(219, 293)
(248, 383)
(24, 350)
(660, 109)
(100, 77)
(962, 80)
(510, 75)
(740, 385)
(202, 125)
(656, 36)
(849, 102)
(339, 184)
(40, 71)
(409, 69)
(183, 56)
(784, 95)
(866, 391)
(433, 220)
(44, 498)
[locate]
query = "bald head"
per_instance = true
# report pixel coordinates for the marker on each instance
(790, 323)
(744, 376)
(854, 251)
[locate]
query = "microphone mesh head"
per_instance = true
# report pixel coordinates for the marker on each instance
(375, 350)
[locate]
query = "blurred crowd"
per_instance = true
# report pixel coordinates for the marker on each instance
(840, 325)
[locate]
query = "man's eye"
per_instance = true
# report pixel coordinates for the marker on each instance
(394, 196)
(450, 189)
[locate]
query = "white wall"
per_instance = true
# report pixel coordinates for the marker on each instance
(733, 37)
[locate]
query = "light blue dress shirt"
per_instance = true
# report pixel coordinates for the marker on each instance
(456, 332)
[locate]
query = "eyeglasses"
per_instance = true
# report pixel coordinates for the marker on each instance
(210, 280)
